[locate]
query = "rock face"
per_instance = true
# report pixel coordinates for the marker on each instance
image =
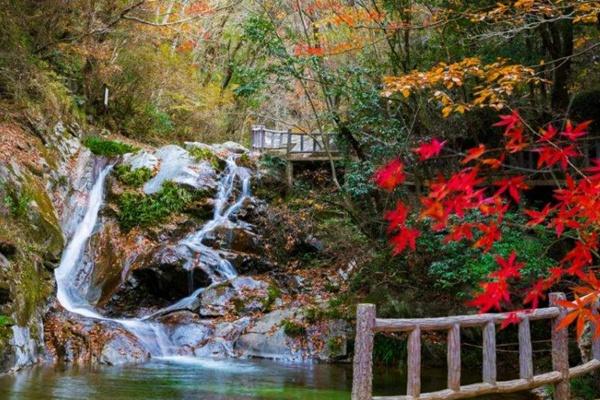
(179, 166)
(199, 282)
(283, 334)
(35, 189)
(76, 340)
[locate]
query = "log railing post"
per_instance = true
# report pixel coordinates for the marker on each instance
(453, 357)
(560, 350)
(489, 353)
(525, 350)
(289, 141)
(413, 369)
(362, 379)
(595, 339)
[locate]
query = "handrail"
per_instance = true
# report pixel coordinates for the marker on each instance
(264, 139)
(367, 324)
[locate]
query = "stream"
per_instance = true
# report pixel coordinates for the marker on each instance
(206, 379)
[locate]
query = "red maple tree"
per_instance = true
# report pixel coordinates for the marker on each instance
(573, 212)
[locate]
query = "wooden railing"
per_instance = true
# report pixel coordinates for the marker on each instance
(368, 324)
(264, 139)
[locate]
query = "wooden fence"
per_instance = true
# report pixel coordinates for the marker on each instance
(368, 324)
(287, 142)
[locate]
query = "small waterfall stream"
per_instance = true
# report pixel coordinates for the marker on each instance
(72, 294)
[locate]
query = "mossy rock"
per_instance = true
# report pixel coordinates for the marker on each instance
(107, 148)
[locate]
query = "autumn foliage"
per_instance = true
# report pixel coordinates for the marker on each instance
(489, 186)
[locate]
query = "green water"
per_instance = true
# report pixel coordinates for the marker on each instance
(204, 380)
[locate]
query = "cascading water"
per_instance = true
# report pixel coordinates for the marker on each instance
(72, 294)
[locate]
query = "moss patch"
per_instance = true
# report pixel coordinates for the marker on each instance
(107, 148)
(203, 154)
(134, 178)
(293, 328)
(137, 209)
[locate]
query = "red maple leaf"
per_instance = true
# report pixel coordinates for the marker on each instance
(490, 235)
(595, 170)
(511, 319)
(429, 150)
(509, 121)
(464, 231)
(514, 185)
(536, 293)
(574, 133)
(492, 296)
(550, 155)
(537, 217)
(406, 237)
(509, 267)
(473, 154)
(548, 134)
(397, 217)
(390, 175)
(579, 311)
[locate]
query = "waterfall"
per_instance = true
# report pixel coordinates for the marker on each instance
(152, 335)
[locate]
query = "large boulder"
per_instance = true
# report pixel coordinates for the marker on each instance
(267, 338)
(141, 159)
(122, 348)
(177, 165)
(241, 294)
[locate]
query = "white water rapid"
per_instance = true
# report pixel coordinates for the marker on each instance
(72, 294)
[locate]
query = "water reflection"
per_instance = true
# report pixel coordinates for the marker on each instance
(189, 378)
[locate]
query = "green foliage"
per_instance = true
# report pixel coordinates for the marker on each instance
(293, 328)
(133, 178)
(204, 154)
(458, 268)
(107, 148)
(585, 387)
(17, 201)
(137, 209)
(358, 180)
(6, 321)
(389, 349)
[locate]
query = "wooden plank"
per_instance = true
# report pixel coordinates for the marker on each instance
(560, 350)
(481, 389)
(444, 323)
(413, 379)
(362, 379)
(453, 357)
(489, 353)
(525, 350)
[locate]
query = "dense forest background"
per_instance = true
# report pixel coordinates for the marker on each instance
(384, 75)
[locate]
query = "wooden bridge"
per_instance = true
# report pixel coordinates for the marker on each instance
(295, 146)
(368, 324)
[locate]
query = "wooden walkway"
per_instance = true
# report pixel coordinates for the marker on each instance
(368, 324)
(295, 146)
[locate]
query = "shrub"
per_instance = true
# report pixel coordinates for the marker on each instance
(134, 178)
(458, 268)
(107, 148)
(137, 209)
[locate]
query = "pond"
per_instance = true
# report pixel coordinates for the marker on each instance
(181, 378)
